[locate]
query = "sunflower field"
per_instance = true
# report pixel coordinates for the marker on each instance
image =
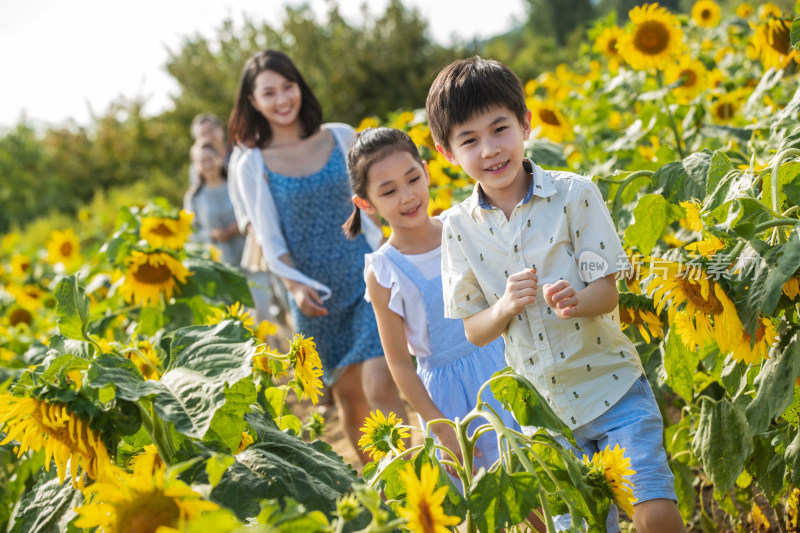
(138, 394)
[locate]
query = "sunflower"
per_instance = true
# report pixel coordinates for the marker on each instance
(672, 240)
(710, 310)
(165, 232)
(614, 466)
(655, 40)
(382, 435)
(725, 109)
(792, 287)
(142, 501)
(768, 11)
(772, 42)
(368, 122)
(402, 120)
(20, 265)
(28, 296)
(607, 42)
(746, 351)
(269, 361)
(144, 356)
(690, 79)
(706, 247)
(233, 312)
(265, 330)
(441, 201)
(423, 508)
(63, 247)
(705, 13)
(65, 437)
(151, 275)
(247, 440)
(348, 507)
(421, 136)
(19, 315)
(744, 10)
(148, 461)
(307, 366)
(548, 120)
(647, 322)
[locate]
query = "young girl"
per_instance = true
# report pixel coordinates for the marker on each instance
(292, 179)
(208, 199)
(405, 286)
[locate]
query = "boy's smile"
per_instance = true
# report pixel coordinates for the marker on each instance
(489, 147)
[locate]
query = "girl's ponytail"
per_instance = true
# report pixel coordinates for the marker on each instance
(352, 228)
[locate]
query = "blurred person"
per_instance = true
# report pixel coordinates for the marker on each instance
(208, 199)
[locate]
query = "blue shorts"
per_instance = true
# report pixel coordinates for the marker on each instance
(634, 422)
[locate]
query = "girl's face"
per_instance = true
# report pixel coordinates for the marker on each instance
(397, 188)
(208, 162)
(276, 98)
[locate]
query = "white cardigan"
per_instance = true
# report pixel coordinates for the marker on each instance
(253, 204)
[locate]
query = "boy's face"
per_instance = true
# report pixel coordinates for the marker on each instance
(489, 147)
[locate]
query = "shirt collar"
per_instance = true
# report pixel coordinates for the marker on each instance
(541, 185)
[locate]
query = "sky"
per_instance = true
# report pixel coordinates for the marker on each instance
(64, 60)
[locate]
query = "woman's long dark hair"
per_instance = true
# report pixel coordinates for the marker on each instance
(249, 127)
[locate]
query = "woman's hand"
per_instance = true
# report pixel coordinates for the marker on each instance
(307, 299)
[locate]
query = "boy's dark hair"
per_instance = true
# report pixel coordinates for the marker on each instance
(371, 146)
(470, 87)
(249, 127)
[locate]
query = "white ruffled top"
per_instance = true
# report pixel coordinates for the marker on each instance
(405, 298)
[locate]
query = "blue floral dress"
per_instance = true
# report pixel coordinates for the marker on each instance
(312, 210)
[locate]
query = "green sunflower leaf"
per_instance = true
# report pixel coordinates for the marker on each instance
(775, 382)
(519, 396)
(72, 308)
(680, 366)
(499, 499)
(215, 281)
(721, 442)
(49, 506)
(650, 218)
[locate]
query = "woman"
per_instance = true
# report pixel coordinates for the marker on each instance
(292, 178)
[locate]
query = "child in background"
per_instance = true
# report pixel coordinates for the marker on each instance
(513, 257)
(208, 199)
(206, 128)
(404, 283)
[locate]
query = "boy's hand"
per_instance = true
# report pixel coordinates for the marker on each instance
(520, 291)
(562, 298)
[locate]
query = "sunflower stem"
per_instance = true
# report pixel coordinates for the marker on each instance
(673, 126)
(764, 226)
(283, 403)
(622, 184)
(777, 161)
(150, 426)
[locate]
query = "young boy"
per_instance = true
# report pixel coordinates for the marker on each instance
(531, 255)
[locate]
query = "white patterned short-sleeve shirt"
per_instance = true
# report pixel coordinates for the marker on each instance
(562, 228)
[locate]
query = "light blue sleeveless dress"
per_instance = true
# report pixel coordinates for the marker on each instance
(456, 368)
(312, 210)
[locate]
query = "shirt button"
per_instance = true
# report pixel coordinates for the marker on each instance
(542, 347)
